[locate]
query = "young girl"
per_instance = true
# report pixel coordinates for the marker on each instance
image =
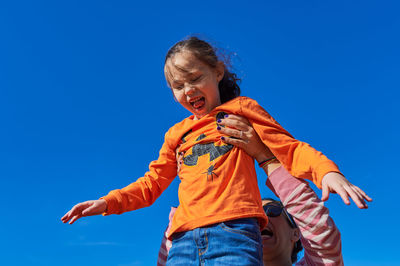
(220, 213)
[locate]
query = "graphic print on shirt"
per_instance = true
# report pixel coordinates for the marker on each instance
(184, 136)
(202, 149)
(210, 172)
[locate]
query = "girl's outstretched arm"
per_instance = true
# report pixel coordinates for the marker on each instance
(247, 139)
(87, 208)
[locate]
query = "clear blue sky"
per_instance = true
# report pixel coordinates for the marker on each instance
(84, 107)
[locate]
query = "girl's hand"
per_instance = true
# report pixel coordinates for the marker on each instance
(245, 137)
(87, 208)
(335, 182)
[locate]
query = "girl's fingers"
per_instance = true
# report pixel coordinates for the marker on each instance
(355, 197)
(361, 199)
(87, 212)
(66, 217)
(76, 217)
(77, 209)
(339, 184)
(90, 210)
(325, 192)
(352, 188)
(365, 196)
(360, 195)
(343, 194)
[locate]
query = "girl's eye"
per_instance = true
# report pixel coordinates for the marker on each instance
(196, 79)
(178, 87)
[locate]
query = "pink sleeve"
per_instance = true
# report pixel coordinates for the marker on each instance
(319, 234)
(165, 243)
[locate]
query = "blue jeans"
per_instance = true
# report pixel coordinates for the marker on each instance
(235, 242)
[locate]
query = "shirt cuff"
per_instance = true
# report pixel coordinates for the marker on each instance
(322, 170)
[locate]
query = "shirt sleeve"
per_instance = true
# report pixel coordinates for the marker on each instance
(298, 157)
(319, 235)
(148, 188)
(166, 244)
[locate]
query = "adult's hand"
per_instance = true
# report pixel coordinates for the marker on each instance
(241, 134)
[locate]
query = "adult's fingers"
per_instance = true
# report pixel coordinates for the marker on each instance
(239, 118)
(232, 132)
(234, 123)
(236, 142)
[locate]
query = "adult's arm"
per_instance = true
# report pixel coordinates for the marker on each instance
(319, 235)
(166, 244)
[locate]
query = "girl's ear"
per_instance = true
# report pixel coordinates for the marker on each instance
(295, 235)
(220, 68)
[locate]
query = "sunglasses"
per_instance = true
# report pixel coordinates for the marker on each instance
(274, 209)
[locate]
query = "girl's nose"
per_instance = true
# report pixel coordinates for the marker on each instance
(189, 89)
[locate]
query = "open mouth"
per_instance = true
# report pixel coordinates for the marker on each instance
(198, 103)
(267, 232)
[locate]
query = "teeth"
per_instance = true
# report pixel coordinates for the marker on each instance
(195, 100)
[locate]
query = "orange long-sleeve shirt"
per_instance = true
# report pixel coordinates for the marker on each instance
(218, 181)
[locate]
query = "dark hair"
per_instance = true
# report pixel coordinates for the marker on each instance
(202, 50)
(297, 245)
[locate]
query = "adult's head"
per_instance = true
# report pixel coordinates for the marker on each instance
(281, 237)
(207, 54)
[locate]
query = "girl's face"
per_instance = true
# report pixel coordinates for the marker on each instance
(194, 83)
